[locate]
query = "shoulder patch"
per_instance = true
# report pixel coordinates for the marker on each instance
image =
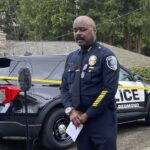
(111, 62)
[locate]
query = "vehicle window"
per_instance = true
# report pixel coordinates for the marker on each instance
(39, 69)
(124, 76)
(15, 67)
(43, 69)
(57, 74)
(4, 71)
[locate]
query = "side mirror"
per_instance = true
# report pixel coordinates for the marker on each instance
(137, 77)
(24, 79)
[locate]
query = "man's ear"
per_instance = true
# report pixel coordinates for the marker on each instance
(95, 30)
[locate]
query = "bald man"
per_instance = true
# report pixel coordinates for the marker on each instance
(89, 84)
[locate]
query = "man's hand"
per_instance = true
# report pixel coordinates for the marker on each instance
(83, 117)
(75, 117)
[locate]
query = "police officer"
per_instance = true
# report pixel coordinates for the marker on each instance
(89, 84)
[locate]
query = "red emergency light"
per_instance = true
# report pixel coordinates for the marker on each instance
(8, 93)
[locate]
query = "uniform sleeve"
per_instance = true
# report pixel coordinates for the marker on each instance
(110, 75)
(64, 89)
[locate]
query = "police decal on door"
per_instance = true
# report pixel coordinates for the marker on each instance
(130, 95)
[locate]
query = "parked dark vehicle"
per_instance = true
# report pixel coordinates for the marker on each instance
(47, 119)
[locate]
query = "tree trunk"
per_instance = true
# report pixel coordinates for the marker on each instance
(138, 41)
(109, 39)
(110, 36)
(127, 43)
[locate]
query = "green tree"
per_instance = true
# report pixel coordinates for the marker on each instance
(8, 18)
(46, 19)
(123, 23)
(34, 18)
(120, 22)
(103, 12)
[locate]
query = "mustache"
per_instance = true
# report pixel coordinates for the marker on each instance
(79, 38)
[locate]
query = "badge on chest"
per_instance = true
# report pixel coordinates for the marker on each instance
(90, 66)
(92, 60)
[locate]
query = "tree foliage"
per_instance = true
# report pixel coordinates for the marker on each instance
(45, 20)
(144, 72)
(123, 23)
(8, 17)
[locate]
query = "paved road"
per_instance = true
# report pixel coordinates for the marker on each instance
(131, 136)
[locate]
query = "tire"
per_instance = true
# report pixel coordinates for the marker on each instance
(147, 119)
(52, 137)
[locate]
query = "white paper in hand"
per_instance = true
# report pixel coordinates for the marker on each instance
(72, 131)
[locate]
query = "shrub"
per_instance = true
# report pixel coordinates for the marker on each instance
(144, 72)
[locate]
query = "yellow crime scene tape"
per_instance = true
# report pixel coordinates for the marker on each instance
(33, 80)
(59, 82)
(133, 87)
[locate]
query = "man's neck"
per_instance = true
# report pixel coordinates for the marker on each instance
(85, 48)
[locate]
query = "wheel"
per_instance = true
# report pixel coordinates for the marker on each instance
(147, 119)
(54, 132)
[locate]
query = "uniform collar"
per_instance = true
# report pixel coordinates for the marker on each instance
(90, 47)
(96, 45)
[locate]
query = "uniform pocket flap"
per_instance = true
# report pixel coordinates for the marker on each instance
(94, 69)
(71, 68)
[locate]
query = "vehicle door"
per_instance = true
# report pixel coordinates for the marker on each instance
(130, 95)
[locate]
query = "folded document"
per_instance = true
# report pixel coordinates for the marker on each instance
(73, 131)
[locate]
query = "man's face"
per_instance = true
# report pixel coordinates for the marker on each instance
(84, 33)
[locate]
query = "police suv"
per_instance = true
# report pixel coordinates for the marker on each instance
(46, 118)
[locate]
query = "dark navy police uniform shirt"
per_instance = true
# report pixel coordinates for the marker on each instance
(99, 79)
